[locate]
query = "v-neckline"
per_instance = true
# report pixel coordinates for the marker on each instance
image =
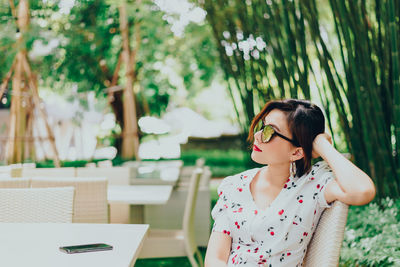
(252, 198)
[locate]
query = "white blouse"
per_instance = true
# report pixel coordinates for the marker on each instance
(278, 235)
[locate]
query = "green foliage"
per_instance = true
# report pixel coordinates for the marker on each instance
(45, 164)
(214, 157)
(262, 48)
(222, 162)
(78, 163)
(118, 160)
(227, 170)
(346, 50)
(86, 38)
(86, 43)
(89, 43)
(50, 163)
(372, 235)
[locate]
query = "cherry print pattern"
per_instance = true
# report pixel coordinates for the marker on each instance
(289, 184)
(226, 232)
(297, 220)
(300, 199)
(262, 260)
(242, 177)
(305, 234)
(237, 225)
(282, 216)
(241, 242)
(238, 210)
(271, 230)
(236, 215)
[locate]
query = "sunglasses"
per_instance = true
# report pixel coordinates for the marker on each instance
(268, 132)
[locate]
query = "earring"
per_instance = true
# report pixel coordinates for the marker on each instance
(292, 169)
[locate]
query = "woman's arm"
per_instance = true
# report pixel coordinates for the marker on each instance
(352, 186)
(218, 249)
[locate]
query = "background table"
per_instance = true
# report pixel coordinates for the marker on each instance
(154, 172)
(139, 194)
(37, 244)
(127, 201)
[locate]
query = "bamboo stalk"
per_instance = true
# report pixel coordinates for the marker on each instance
(396, 78)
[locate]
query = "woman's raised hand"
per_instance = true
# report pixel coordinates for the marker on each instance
(318, 140)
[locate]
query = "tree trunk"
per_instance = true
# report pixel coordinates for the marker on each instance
(130, 139)
(24, 92)
(17, 116)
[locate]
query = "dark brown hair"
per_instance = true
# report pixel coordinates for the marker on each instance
(305, 121)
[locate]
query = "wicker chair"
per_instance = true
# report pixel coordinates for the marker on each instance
(90, 196)
(36, 205)
(47, 172)
(115, 175)
(15, 183)
(324, 247)
(175, 243)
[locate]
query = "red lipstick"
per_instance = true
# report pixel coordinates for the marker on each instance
(256, 148)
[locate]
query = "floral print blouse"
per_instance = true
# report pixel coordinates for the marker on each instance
(278, 235)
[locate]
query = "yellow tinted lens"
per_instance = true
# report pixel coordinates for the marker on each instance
(267, 133)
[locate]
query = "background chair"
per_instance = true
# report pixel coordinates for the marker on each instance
(186, 173)
(90, 196)
(37, 205)
(324, 247)
(115, 175)
(175, 243)
(15, 183)
(47, 172)
(169, 216)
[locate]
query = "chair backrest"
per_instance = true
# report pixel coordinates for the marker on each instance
(115, 175)
(200, 162)
(15, 183)
(90, 196)
(186, 174)
(48, 172)
(189, 213)
(324, 247)
(36, 205)
(206, 176)
(139, 163)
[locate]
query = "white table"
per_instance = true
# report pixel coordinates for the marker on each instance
(37, 244)
(127, 201)
(139, 194)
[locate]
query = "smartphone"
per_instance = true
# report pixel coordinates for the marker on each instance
(86, 248)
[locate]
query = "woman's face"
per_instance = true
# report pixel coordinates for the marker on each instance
(277, 150)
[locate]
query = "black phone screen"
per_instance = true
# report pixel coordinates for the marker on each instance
(86, 248)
